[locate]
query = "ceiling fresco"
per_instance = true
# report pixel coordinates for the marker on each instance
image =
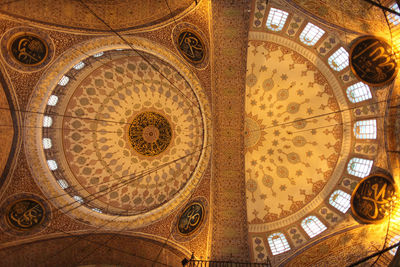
(358, 15)
(120, 14)
(289, 157)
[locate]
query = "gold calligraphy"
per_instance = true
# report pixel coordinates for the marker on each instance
(29, 50)
(191, 46)
(150, 133)
(191, 219)
(25, 214)
(372, 198)
(372, 61)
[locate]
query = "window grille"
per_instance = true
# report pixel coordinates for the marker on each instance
(47, 121)
(359, 167)
(53, 99)
(63, 81)
(394, 19)
(313, 226)
(339, 60)
(52, 165)
(98, 54)
(394, 240)
(311, 34)
(358, 92)
(276, 19)
(365, 129)
(63, 183)
(340, 200)
(79, 66)
(278, 243)
(47, 143)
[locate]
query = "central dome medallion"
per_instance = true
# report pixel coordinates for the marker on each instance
(150, 133)
(131, 143)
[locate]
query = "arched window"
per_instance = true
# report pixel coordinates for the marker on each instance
(311, 34)
(278, 243)
(340, 200)
(63, 81)
(52, 165)
(393, 241)
(394, 19)
(313, 226)
(53, 99)
(98, 54)
(276, 19)
(365, 129)
(358, 92)
(47, 121)
(63, 184)
(78, 199)
(47, 143)
(359, 167)
(79, 66)
(339, 60)
(97, 210)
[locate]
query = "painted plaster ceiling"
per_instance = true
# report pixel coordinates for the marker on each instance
(120, 14)
(289, 159)
(140, 127)
(355, 15)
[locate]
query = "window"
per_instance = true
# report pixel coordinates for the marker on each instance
(78, 199)
(313, 226)
(339, 60)
(63, 81)
(79, 66)
(52, 165)
(278, 243)
(311, 34)
(46, 143)
(358, 92)
(276, 19)
(392, 242)
(359, 167)
(340, 200)
(63, 183)
(97, 210)
(47, 121)
(365, 129)
(98, 54)
(394, 19)
(53, 99)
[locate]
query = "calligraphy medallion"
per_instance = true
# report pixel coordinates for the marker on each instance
(25, 214)
(191, 218)
(371, 199)
(372, 61)
(150, 133)
(191, 46)
(28, 49)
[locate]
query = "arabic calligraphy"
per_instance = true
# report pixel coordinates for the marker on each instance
(191, 219)
(29, 50)
(150, 133)
(372, 198)
(191, 46)
(372, 61)
(25, 214)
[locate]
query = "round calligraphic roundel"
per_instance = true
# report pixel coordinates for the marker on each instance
(150, 133)
(191, 219)
(372, 198)
(132, 141)
(24, 214)
(372, 61)
(26, 49)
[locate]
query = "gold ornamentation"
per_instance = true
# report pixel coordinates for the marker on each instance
(191, 46)
(372, 61)
(150, 133)
(28, 49)
(371, 199)
(25, 214)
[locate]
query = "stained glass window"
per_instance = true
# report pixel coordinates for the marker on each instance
(358, 92)
(276, 19)
(278, 243)
(340, 200)
(339, 60)
(313, 226)
(359, 167)
(365, 129)
(394, 19)
(311, 34)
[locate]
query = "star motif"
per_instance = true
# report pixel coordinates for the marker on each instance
(284, 77)
(300, 92)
